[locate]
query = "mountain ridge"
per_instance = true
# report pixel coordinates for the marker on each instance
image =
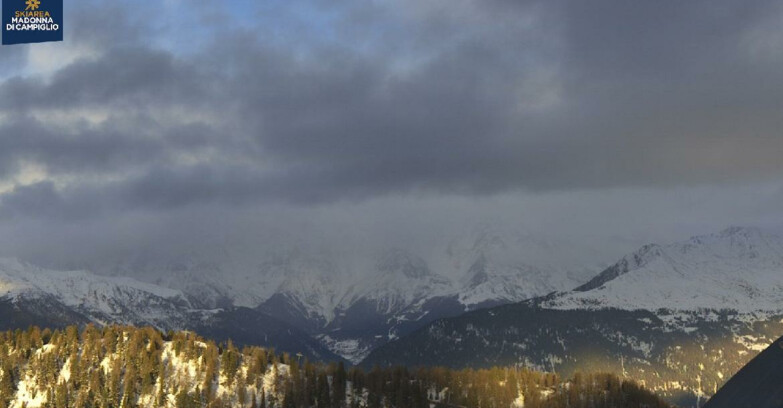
(683, 317)
(30, 295)
(738, 268)
(330, 293)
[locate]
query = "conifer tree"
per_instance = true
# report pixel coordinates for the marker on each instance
(338, 386)
(61, 395)
(323, 398)
(118, 366)
(241, 390)
(288, 398)
(229, 363)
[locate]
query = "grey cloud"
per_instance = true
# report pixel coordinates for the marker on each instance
(39, 198)
(88, 151)
(124, 77)
(13, 58)
(642, 96)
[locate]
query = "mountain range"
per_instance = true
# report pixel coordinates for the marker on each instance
(354, 301)
(680, 317)
(30, 295)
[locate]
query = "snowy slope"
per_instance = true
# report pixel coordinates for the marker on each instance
(482, 265)
(401, 280)
(30, 295)
(379, 307)
(356, 298)
(492, 265)
(402, 290)
(739, 269)
(682, 317)
(103, 299)
(486, 264)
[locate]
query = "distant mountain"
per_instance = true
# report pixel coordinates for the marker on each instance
(757, 385)
(30, 295)
(494, 265)
(739, 269)
(97, 298)
(682, 317)
(354, 301)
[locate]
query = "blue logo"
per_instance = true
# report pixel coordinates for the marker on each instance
(32, 21)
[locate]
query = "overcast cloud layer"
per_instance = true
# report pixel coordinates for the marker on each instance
(640, 120)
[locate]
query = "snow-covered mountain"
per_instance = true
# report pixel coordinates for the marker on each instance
(402, 293)
(99, 298)
(739, 269)
(30, 295)
(683, 317)
(351, 301)
(496, 265)
(355, 299)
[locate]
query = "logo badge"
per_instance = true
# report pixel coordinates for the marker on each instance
(32, 4)
(32, 21)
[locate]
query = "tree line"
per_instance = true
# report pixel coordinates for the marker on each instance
(122, 367)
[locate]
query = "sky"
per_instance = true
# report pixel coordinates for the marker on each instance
(268, 122)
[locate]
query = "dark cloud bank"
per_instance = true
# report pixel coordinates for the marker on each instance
(540, 104)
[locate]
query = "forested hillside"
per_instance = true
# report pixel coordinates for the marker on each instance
(117, 367)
